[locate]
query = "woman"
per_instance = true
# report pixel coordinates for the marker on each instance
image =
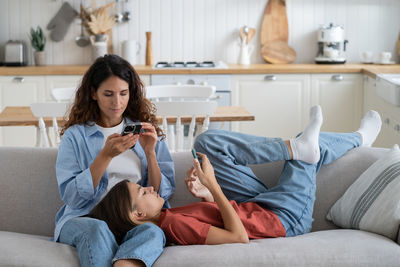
(93, 156)
(283, 210)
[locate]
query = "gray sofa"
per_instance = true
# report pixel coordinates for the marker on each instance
(29, 200)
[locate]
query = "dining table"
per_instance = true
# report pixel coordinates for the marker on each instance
(23, 116)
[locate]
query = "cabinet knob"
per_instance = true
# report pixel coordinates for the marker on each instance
(387, 121)
(269, 78)
(337, 77)
(19, 79)
(397, 127)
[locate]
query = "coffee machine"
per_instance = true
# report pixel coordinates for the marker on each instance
(331, 45)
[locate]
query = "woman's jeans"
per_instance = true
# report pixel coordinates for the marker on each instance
(97, 247)
(292, 199)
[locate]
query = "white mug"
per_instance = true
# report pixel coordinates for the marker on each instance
(384, 57)
(367, 56)
(130, 49)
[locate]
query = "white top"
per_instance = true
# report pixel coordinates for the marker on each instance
(126, 165)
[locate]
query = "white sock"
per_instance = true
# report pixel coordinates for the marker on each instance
(306, 146)
(370, 127)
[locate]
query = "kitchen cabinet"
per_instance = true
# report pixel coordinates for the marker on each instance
(280, 103)
(390, 114)
(20, 91)
(341, 99)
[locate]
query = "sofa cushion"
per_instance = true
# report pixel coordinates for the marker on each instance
(372, 202)
(31, 250)
(324, 248)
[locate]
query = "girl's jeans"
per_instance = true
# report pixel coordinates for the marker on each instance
(292, 199)
(97, 247)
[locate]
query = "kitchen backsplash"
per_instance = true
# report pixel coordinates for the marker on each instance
(208, 29)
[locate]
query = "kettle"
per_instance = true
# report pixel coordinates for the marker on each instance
(15, 53)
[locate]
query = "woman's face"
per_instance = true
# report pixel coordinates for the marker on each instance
(148, 202)
(112, 97)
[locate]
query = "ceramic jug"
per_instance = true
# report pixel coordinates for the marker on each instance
(130, 49)
(245, 53)
(99, 46)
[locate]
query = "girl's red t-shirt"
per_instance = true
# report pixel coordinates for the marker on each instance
(189, 225)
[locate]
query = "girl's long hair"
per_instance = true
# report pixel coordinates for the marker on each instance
(85, 108)
(114, 209)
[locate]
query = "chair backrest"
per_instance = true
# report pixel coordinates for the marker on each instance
(175, 137)
(176, 92)
(65, 94)
(49, 109)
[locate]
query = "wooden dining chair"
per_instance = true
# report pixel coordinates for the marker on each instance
(180, 100)
(171, 92)
(54, 110)
(175, 135)
(65, 94)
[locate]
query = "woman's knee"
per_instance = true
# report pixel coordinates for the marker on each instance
(204, 139)
(147, 231)
(86, 227)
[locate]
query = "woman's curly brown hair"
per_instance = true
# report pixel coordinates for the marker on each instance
(85, 108)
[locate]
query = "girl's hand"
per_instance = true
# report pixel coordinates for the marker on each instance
(195, 187)
(116, 144)
(148, 139)
(205, 172)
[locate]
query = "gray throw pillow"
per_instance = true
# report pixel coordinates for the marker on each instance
(372, 202)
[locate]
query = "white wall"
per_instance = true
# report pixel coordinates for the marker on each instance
(208, 29)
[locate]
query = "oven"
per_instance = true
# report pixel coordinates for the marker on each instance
(222, 82)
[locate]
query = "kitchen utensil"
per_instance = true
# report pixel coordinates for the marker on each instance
(274, 24)
(82, 40)
(331, 45)
(242, 34)
(251, 34)
(15, 53)
(278, 52)
(149, 50)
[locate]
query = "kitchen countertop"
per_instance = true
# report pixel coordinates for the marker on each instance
(369, 69)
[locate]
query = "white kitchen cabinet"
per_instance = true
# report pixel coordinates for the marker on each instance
(390, 114)
(341, 99)
(280, 103)
(20, 91)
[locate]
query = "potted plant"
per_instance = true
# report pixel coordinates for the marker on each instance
(38, 41)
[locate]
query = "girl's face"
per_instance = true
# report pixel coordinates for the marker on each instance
(148, 202)
(112, 97)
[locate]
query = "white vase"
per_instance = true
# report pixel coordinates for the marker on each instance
(99, 46)
(40, 58)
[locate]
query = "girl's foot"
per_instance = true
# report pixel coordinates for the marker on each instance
(370, 127)
(306, 146)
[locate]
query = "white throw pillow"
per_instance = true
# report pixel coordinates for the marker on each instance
(372, 202)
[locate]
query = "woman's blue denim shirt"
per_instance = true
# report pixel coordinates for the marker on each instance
(79, 147)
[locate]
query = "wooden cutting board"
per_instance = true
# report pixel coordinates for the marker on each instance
(278, 52)
(274, 24)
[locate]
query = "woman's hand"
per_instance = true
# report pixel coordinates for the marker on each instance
(148, 139)
(116, 144)
(195, 187)
(205, 172)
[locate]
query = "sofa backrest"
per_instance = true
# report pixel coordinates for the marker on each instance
(29, 197)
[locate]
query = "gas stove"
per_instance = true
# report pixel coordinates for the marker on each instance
(190, 65)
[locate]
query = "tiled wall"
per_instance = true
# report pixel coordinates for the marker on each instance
(208, 29)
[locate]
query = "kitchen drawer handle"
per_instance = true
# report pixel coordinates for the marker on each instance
(337, 77)
(19, 79)
(270, 78)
